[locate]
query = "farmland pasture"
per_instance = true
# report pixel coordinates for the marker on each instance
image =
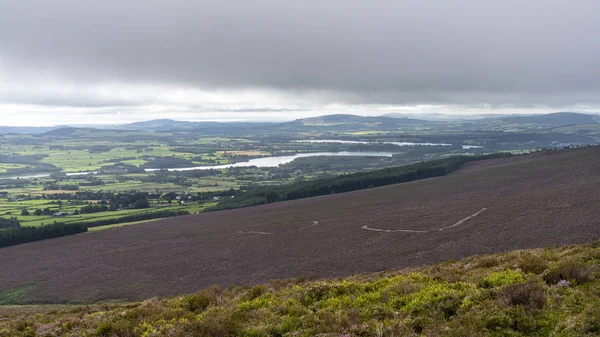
(14, 208)
(120, 155)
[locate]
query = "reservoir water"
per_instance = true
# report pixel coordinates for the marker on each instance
(336, 141)
(278, 160)
(258, 162)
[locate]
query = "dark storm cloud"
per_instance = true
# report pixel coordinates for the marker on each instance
(390, 52)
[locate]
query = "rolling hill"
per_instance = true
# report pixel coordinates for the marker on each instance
(346, 122)
(489, 206)
(554, 119)
(205, 127)
(26, 130)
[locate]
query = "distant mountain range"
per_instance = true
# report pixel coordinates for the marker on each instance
(344, 118)
(483, 122)
(26, 130)
(505, 117)
(339, 121)
(445, 117)
(173, 125)
(553, 120)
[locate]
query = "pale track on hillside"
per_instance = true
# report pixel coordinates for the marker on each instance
(460, 222)
(254, 232)
(465, 219)
(391, 230)
(314, 223)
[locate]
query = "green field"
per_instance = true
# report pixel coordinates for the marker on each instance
(13, 209)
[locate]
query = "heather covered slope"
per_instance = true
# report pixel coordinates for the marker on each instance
(488, 206)
(540, 292)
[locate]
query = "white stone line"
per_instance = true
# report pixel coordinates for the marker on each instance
(314, 223)
(391, 230)
(305, 227)
(254, 232)
(465, 219)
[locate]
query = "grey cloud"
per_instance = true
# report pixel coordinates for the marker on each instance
(74, 101)
(262, 109)
(359, 52)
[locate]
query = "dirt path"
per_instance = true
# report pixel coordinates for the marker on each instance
(465, 219)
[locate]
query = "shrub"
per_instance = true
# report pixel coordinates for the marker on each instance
(440, 297)
(522, 321)
(500, 321)
(255, 292)
(218, 322)
(418, 324)
(531, 295)
(503, 278)
(104, 329)
(200, 301)
(530, 263)
(590, 320)
(487, 262)
(197, 302)
(571, 270)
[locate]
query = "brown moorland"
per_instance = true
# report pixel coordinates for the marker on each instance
(489, 206)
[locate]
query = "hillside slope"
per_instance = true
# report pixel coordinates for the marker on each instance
(543, 292)
(489, 206)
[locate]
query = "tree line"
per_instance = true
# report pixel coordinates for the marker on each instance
(9, 223)
(18, 235)
(131, 218)
(352, 182)
(11, 233)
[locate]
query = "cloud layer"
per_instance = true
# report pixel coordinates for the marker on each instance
(299, 55)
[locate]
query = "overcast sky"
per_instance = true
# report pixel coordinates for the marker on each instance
(79, 61)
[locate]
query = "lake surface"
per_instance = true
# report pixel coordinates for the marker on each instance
(278, 160)
(336, 141)
(258, 162)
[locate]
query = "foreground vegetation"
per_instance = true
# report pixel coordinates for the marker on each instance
(550, 291)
